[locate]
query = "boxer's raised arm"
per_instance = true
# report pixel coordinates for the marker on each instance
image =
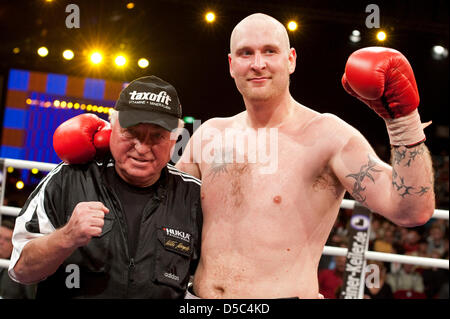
(383, 79)
(403, 192)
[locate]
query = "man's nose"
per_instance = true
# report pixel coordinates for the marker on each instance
(142, 146)
(259, 62)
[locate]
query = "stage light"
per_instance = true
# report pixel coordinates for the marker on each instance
(70, 105)
(76, 106)
(210, 17)
(10, 169)
(20, 185)
(68, 54)
(439, 52)
(120, 60)
(96, 57)
(381, 36)
(56, 103)
(42, 51)
(292, 25)
(130, 5)
(355, 37)
(28, 101)
(34, 171)
(63, 104)
(143, 63)
(16, 50)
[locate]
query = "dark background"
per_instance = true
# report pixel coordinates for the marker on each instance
(192, 55)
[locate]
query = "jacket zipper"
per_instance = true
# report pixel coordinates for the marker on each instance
(131, 267)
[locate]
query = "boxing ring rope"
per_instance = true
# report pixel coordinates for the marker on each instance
(328, 250)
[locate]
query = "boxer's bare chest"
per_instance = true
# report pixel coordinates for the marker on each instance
(271, 169)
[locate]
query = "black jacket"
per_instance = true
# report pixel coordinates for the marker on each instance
(169, 237)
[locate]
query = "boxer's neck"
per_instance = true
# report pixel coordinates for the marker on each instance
(269, 113)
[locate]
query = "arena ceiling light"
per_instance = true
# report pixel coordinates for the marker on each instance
(438, 52)
(68, 54)
(292, 25)
(210, 17)
(42, 52)
(120, 60)
(143, 63)
(381, 36)
(96, 57)
(355, 37)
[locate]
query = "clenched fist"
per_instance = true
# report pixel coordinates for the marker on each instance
(87, 221)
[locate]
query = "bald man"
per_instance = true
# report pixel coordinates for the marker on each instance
(268, 214)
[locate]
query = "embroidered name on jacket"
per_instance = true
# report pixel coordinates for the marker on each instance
(177, 240)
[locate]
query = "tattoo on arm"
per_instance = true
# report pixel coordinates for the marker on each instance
(404, 157)
(410, 155)
(363, 174)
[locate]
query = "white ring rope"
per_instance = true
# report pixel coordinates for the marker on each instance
(328, 250)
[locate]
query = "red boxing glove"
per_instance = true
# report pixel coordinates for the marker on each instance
(82, 138)
(384, 80)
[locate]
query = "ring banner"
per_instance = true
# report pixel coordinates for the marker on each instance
(354, 274)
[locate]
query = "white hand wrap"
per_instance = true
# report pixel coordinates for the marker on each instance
(406, 130)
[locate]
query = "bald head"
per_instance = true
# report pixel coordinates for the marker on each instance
(259, 22)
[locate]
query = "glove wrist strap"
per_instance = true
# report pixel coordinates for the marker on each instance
(406, 130)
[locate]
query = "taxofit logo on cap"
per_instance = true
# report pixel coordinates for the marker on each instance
(161, 99)
(149, 100)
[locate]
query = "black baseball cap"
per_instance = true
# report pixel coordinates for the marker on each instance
(149, 100)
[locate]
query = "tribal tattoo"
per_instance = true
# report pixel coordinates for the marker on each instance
(410, 155)
(363, 174)
(405, 157)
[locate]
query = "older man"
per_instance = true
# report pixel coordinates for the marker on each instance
(128, 227)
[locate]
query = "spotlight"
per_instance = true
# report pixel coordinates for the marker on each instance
(439, 52)
(130, 5)
(210, 17)
(292, 26)
(42, 51)
(355, 37)
(381, 36)
(68, 54)
(16, 50)
(34, 171)
(96, 57)
(143, 63)
(120, 60)
(20, 185)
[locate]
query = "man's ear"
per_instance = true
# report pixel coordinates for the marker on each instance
(229, 64)
(292, 60)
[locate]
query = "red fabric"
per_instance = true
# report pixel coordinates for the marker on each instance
(409, 294)
(329, 283)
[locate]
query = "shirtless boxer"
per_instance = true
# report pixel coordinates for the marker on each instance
(264, 229)
(263, 234)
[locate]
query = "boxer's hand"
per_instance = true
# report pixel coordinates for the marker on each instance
(82, 138)
(384, 80)
(87, 221)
